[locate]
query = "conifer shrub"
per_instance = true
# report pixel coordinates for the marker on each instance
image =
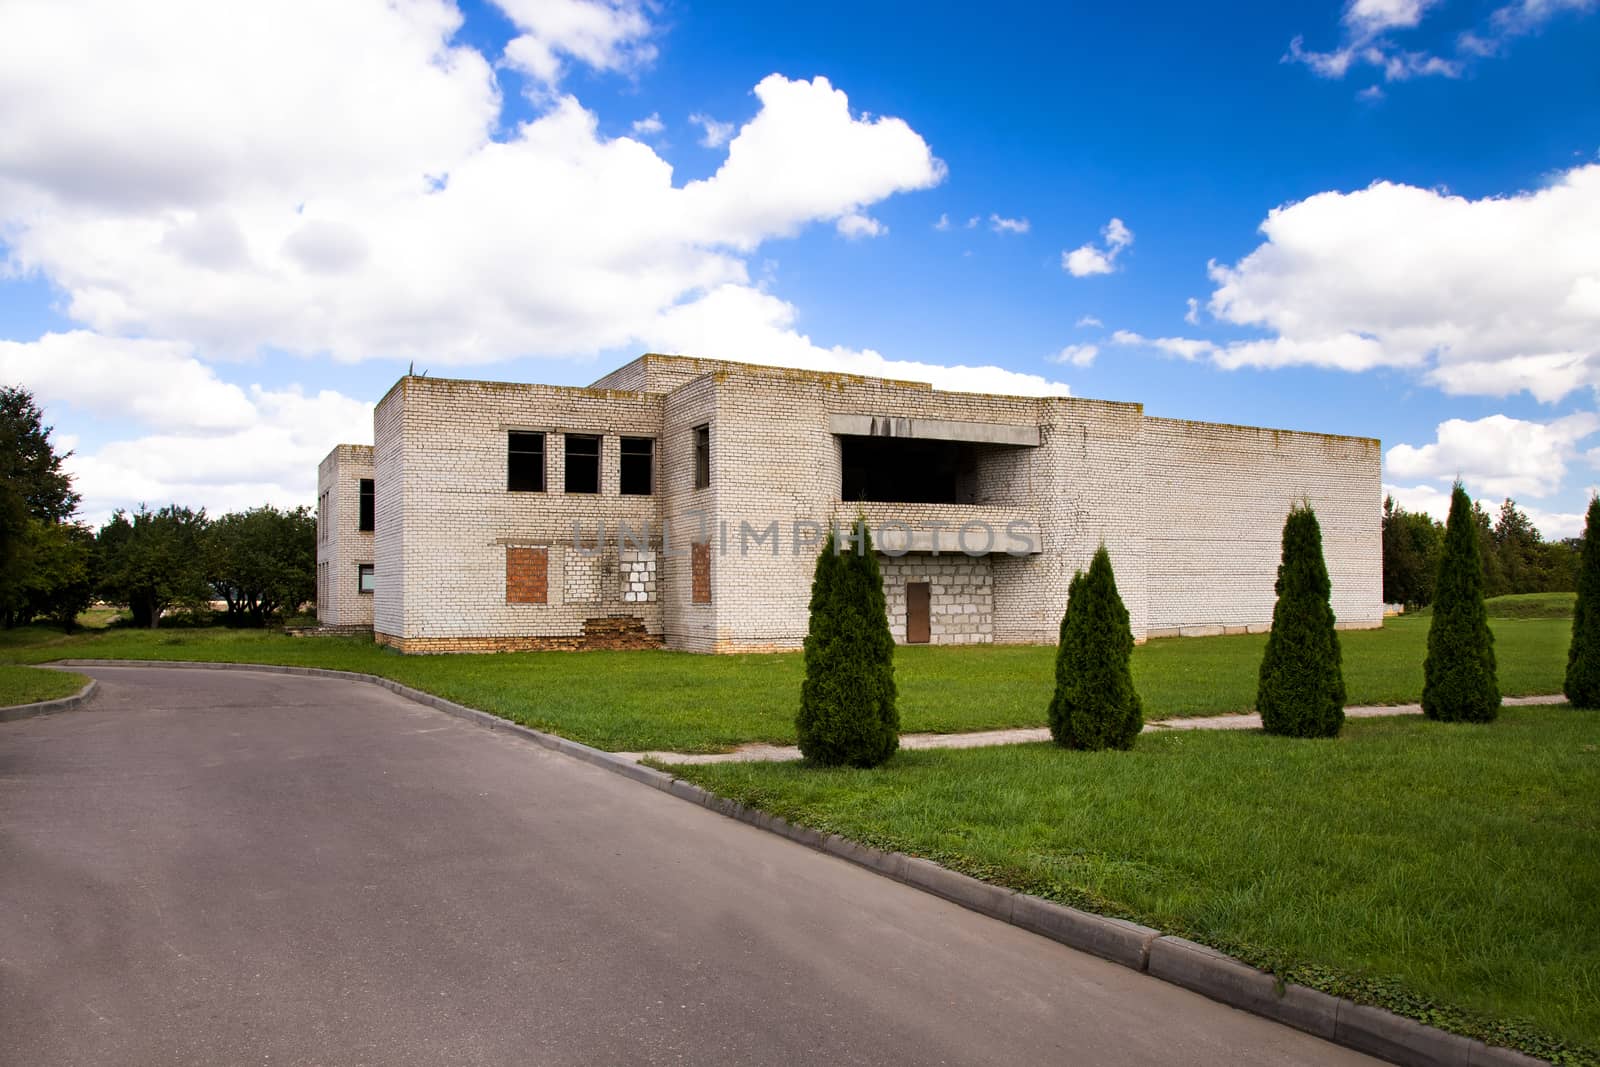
(1301, 687)
(1583, 656)
(1095, 705)
(847, 711)
(1459, 683)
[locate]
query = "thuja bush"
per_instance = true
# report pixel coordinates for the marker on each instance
(847, 701)
(1583, 656)
(1095, 705)
(1301, 689)
(1459, 683)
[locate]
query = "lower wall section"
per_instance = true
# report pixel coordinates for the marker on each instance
(611, 632)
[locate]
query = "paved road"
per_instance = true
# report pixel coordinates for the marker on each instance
(210, 867)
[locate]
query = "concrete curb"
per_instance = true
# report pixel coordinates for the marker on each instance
(17, 712)
(1193, 966)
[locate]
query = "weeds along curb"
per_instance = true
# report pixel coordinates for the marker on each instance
(50, 707)
(1171, 959)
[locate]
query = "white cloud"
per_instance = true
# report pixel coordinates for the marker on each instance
(713, 134)
(1089, 320)
(855, 226)
(137, 197)
(1372, 94)
(1489, 296)
(198, 440)
(1192, 315)
(1374, 16)
(999, 224)
(606, 35)
(1088, 260)
(943, 223)
(740, 323)
(1076, 355)
(649, 126)
(1182, 347)
(1435, 501)
(1498, 456)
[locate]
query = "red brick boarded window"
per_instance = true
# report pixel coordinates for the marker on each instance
(700, 570)
(527, 575)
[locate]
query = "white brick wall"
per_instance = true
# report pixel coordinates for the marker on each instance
(1190, 512)
(341, 546)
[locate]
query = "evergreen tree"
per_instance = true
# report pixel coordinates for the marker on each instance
(1583, 657)
(1095, 705)
(1301, 690)
(1459, 682)
(847, 701)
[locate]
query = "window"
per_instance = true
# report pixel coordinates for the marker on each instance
(702, 456)
(366, 580)
(634, 469)
(583, 463)
(525, 463)
(367, 510)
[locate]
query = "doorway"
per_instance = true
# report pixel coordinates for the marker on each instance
(917, 621)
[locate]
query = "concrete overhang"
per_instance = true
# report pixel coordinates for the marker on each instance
(980, 433)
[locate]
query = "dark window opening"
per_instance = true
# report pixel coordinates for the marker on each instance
(634, 468)
(908, 470)
(583, 463)
(368, 512)
(366, 578)
(702, 456)
(525, 463)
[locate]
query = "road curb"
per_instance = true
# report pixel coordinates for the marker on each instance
(18, 712)
(1181, 962)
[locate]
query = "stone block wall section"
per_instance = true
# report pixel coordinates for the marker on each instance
(341, 546)
(1191, 512)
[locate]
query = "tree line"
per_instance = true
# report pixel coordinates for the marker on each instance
(260, 563)
(1514, 556)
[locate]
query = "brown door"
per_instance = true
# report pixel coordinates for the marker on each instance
(917, 629)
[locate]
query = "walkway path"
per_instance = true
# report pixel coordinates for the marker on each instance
(759, 752)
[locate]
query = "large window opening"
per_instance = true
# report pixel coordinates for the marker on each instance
(634, 467)
(525, 463)
(368, 511)
(583, 463)
(908, 470)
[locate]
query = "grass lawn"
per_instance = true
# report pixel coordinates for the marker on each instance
(1449, 872)
(29, 685)
(689, 703)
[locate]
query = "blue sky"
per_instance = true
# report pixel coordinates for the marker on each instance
(220, 247)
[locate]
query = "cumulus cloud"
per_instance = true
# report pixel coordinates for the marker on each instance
(606, 35)
(1490, 296)
(713, 134)
(1497, 455)
(649, 126)
(1192, 314)
(1000, 224)
(1076, 355)
(856, 225)
(1089, 260)
(194, 439)
(1089, 320)
(1182, 347)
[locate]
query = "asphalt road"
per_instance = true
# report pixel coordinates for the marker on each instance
(208, 867)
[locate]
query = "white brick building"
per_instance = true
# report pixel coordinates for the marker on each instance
(673, 501)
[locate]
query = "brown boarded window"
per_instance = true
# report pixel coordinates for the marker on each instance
(700, 572)
(527, 575)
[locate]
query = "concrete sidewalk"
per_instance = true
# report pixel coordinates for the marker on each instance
(984, 738)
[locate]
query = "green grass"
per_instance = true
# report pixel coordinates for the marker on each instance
(1523, 606)
(29, 685)
(1449, 872)
(690, 703)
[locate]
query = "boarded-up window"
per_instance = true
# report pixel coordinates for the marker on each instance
(527, 575)
(368, 511)
(700, 571)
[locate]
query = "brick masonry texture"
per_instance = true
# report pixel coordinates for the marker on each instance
(1191, 513)
(527, 575)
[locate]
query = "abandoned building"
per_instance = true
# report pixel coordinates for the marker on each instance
(679, 502)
